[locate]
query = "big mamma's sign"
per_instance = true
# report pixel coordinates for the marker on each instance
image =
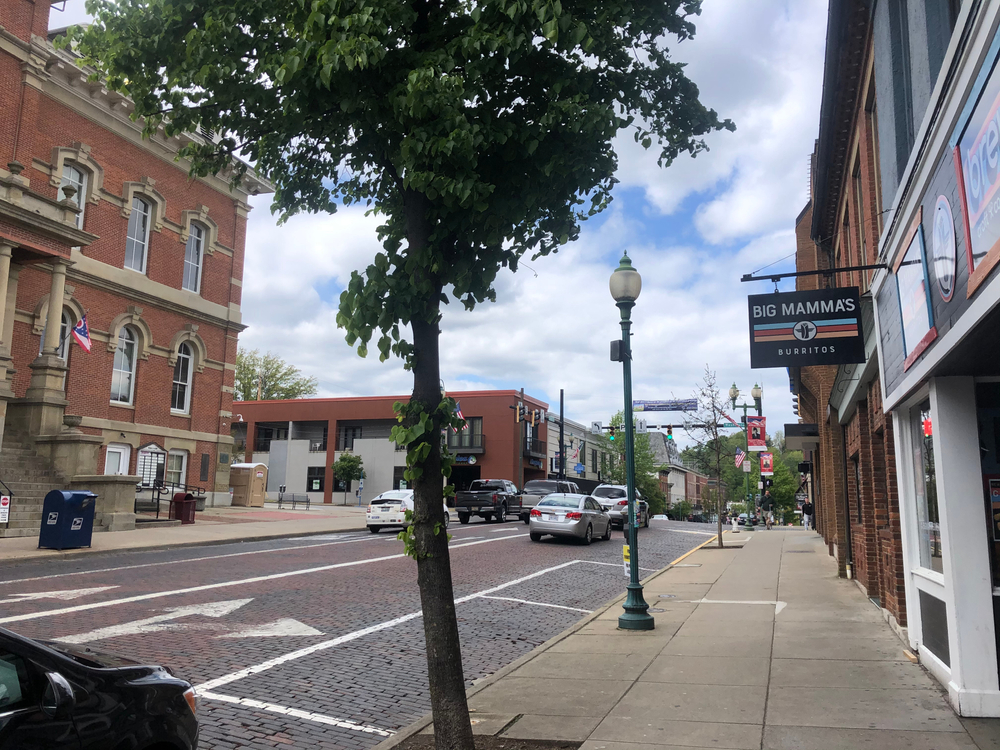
(798, 329)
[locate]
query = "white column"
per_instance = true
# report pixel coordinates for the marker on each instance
(968, 579)
(53, 321)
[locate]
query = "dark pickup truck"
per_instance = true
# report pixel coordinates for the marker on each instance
(493, 499)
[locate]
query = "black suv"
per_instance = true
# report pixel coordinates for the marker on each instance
(55, 696)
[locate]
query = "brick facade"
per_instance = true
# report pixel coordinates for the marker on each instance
(52, 116)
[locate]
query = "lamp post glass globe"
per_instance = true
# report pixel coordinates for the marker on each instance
(756, 392)
(734, 393)
(626, 283)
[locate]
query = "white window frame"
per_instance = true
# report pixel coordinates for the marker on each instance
(176, 453)
(124, 452)
(184, 356)
(195, 245)
(81, 188)
(142, 211)
(123, 342)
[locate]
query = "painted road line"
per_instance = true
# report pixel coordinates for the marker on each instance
(188, 560)
(297, 713)
(537, 604)
(225, 584)
(702, 533)
(616, 565)
(348, 637)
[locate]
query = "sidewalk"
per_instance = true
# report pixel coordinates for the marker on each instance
(762, 647)
(212, 526)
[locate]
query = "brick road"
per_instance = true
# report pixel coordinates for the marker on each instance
(343, 694)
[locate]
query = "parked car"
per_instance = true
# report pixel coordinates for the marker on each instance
(614, 499)
(54, 696)
(493, 499)
(573, 515)
(389, 509)
(535, 489)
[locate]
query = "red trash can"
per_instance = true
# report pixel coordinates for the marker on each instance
(182, 507)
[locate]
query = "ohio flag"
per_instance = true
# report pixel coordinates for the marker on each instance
(81, 332)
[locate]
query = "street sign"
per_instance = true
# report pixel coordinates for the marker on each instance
(579, 468)
(641, 427)
(625, 559)
(595, 428)
(683, 404)
(746, 465)
(4, 508)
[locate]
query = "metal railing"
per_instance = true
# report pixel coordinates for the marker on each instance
(466, 442)
(534, 447)
(157, 492)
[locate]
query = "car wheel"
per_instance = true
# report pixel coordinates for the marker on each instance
(607, 533)
(374, 529)
(463, 517)
(525, 518)
(447, 520)
(501, 516)
(535, 537)
(645, 524)
(588, 537)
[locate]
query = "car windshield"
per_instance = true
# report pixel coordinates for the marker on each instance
(540, 487)
(560, 501)
(611, 493)
(486, 484)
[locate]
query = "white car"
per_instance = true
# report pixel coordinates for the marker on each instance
(389, 509)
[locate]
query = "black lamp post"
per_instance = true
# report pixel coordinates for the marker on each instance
(625, 287)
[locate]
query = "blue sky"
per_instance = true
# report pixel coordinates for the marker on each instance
(692, 230)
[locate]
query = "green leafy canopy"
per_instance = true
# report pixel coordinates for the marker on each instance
(491, 119)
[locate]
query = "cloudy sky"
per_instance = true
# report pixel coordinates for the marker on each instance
(692, 230)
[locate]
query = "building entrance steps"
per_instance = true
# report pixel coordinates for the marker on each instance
(762, 648)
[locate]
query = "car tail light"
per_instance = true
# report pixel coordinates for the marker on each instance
(574, 516)
(623, 502)
(192, 700)
(536, 513)
(494, 497)
(369, 509)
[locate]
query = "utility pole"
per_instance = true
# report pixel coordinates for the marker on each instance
(562, 438)
(521, 431)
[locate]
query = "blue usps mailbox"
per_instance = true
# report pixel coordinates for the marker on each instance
(67, 519)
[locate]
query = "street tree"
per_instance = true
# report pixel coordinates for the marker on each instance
(348, 468)
(478, 130)
(268, 376)
(703, 428)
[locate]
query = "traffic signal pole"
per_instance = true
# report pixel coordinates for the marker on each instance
(562, 438)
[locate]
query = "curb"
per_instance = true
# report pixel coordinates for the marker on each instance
(428, 719)
(83, 551)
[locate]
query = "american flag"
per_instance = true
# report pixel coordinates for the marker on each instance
(740, 455)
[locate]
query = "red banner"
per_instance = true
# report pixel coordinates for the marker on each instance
(766, 464)
(756, 434)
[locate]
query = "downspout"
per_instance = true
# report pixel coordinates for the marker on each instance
(847, 508)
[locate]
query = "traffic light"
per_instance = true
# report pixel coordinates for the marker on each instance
(670, 433)
(611, 434)
(519, 412)
(534, 417)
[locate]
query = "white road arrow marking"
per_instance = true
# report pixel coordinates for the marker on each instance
(283, 627)
(64, 595)
(158, 622)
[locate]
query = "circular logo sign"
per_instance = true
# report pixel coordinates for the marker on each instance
(943, 250)
(804, 331)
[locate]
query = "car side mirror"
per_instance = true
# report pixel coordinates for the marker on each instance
(58, 699)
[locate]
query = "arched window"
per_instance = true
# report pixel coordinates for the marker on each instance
(194, 251)
(123, 375)
(180, 399)
(137, 242)
(75, 177)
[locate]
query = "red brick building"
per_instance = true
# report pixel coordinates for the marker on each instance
(111, 226)
(300, 439)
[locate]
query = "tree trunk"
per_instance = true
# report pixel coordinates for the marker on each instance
(452, 726)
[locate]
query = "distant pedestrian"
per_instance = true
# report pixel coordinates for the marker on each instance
(767, 507)
(807, 514)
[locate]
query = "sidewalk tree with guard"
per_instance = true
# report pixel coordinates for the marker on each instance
(478, 131)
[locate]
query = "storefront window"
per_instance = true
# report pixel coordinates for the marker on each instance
(925, 482)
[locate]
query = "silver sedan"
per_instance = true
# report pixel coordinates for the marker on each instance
(563, 514)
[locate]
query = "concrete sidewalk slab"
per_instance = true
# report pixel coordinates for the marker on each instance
(708, 676)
